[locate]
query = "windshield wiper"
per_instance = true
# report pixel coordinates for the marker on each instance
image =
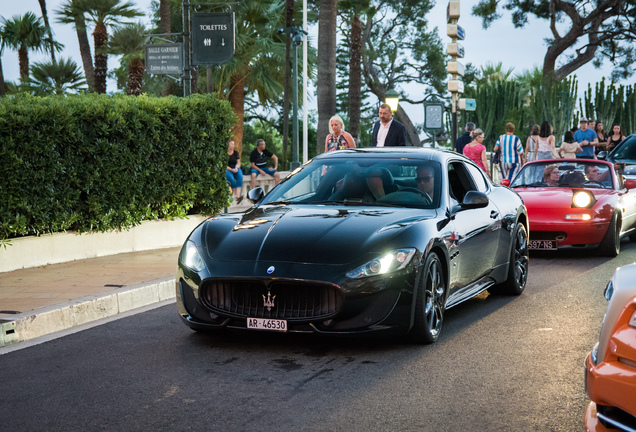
(283, 202)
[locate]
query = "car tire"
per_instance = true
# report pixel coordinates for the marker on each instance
(430, 302)
(515, 283)
(611, 244)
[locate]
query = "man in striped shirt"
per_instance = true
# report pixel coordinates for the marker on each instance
(512, 158)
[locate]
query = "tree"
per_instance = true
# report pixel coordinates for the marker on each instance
(103, 13)
(57, 78)
(45, 17)
(3, 86)
(72, 13)
(326, 82)
(257, 65)
(608, 27)
(399, 49)
(26, 33)
(128, 40)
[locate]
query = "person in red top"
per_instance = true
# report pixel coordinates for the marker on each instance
(476, 151)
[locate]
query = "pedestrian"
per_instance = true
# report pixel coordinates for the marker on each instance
(338, 139)
(616, 137)
(465, 138)
(532, 142)
(569, 148)
(476, 151)
(512, 158)
(388, 132)
(587, 140)
(602, 138)
(545, 148)
(258, 160)
(233, 172)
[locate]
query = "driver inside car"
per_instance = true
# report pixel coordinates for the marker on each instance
(593, 173)
(425, 179)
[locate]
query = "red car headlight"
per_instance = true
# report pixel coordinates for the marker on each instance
(583, 199)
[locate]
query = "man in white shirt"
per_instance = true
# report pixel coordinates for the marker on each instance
(388, 132)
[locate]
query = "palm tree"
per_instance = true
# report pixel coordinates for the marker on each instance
(326, 83)
(128, 40)
(57, 77)
(45, 17)
(3, 86)
(103, 13)
(258, 59)
(26, 33)
(72, 13)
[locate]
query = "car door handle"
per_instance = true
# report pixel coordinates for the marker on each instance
(494, 214)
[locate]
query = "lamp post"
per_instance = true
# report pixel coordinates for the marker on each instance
(392, 98)
(297, 40)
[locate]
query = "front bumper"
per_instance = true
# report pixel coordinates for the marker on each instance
(379, 304)
(611, 385)
(569, 233)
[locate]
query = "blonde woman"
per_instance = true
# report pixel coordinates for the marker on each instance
(338, 139)
(476, 151)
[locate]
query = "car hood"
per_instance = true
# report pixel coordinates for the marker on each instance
(551, 198)
(308, 234)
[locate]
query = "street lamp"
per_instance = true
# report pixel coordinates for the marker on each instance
(392, 98)
(297, 40)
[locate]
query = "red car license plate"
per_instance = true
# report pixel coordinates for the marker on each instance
(542, 244)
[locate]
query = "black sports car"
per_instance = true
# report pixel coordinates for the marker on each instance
(357, 241)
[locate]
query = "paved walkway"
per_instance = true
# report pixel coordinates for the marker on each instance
(24, 290)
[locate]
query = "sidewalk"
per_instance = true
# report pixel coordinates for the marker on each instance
(41, 300)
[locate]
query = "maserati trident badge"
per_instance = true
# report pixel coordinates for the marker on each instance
(268, 301)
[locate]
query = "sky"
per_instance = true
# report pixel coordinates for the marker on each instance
(520, 49)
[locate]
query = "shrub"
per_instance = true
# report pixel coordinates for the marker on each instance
(97, 162)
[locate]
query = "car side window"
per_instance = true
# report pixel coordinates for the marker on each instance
(478, 178)
(459, 181)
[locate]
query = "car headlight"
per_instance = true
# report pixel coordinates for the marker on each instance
(392, 261)
(595, 354)
(192, 258)
(609, 291)
(583, 199)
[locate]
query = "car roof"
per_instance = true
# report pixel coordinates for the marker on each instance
(392, 152)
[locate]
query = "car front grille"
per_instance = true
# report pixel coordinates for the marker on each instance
(548, 235)
(290, 300)
(613, 417)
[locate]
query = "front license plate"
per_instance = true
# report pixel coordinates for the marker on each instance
(266, 324)
(542, 244)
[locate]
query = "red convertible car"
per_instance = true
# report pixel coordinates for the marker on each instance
(576, 203)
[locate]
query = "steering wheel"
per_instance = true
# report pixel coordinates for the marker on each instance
(424, 195)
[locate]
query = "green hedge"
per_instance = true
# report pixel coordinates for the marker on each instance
(98, 162)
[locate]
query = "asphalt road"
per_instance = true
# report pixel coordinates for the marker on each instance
(501, 364)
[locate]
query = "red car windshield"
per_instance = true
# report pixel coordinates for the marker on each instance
(553, 173)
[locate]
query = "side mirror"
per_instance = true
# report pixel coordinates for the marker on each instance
(255, 194)
(474, 199)
(505, 182)
(602, 155)
(630, 184)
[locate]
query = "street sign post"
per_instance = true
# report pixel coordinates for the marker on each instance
(213, 37)
(164, 58)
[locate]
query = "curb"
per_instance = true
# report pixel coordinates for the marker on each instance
(50, 319)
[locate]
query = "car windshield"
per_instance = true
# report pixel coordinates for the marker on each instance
(362, 181)
(552, 173)
(626, 150)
